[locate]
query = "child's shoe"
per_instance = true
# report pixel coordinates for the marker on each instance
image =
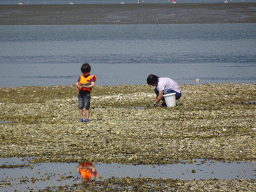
(80, 120)
(86, 120)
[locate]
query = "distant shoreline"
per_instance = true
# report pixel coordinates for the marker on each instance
(91, 14)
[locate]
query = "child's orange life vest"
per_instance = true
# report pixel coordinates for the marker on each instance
(86, 81)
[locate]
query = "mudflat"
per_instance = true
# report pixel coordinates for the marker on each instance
(211, 121)
(85, 14)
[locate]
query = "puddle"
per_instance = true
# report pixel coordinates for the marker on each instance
(138, 107)
(2, 122)
(41, 175)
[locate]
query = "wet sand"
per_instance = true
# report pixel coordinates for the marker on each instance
(211, 121)
(127, 14)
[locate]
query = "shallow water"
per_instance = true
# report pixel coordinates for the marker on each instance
(60, 174)
(127, 54)
(1, 122)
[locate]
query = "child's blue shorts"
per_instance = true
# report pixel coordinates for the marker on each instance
(84, 99)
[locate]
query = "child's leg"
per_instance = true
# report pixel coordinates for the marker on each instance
(178, 96)
(87, 105)
(80, 105)
(81, 113)
(87, 113)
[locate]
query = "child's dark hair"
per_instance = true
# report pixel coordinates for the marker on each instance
(86, 68)
(152, 79)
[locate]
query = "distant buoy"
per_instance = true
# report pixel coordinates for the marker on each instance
(173, 1)
(226, 1)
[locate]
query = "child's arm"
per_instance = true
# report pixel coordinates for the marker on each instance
(160, 96)
(89, 86)
(78, 86)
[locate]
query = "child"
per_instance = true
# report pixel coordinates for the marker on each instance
(85, 83)
(164, 85)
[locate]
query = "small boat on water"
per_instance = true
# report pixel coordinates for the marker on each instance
(173, 1)
(226, 1)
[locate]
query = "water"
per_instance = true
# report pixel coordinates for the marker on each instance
(55, 171)
(127, 54)
(4, 2)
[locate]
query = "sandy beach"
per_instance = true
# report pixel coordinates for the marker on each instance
(127, 14)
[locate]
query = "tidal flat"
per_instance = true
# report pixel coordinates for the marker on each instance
(210, 121)
(143, 13)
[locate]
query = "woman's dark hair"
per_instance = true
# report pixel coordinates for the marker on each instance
(86, 68)
(152, 79)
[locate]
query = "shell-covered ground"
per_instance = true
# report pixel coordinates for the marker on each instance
(210, 121)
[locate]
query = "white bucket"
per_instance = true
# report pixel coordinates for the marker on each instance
(170, 99)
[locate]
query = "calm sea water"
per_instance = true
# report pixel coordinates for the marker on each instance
(127, 54)
(114, 1)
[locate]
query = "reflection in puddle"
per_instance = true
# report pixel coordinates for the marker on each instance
(87, 171)
(42, 175)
